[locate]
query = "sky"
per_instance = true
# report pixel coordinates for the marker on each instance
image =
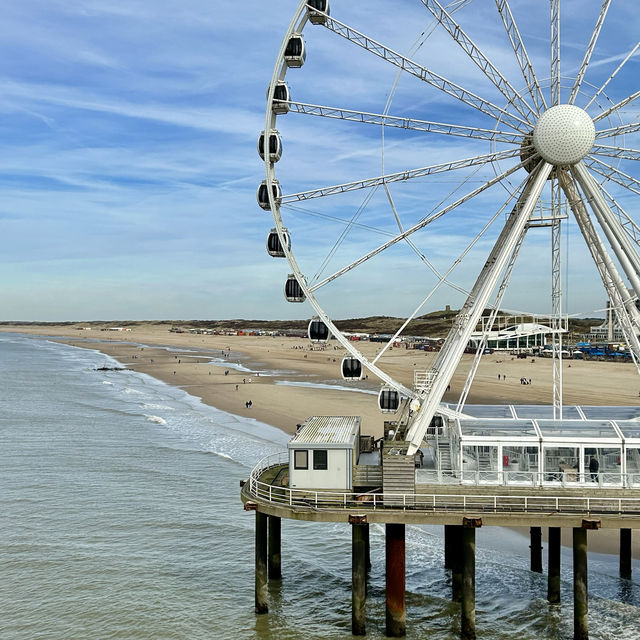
(129, 174)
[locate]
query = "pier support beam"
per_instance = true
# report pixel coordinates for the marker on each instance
(536, 549)
(275, 570)
(396, 613)
(468, 609)
(358, 575)
(580, 591)
(625, 554)
(261, 563)
(553, 577)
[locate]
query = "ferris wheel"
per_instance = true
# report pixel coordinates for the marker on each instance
(512, 151)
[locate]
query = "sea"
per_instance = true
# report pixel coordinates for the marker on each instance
(121, 518)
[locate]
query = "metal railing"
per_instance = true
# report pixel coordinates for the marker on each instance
(326, 500)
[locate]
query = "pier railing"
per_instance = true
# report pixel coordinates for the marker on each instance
(434, 502)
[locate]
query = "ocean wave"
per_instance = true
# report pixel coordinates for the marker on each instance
(162, 407)
(156, 419)
(107, 382)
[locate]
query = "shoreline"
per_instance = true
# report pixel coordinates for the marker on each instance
(186, 361)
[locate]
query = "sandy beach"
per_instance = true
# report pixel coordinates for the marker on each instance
(275, 374)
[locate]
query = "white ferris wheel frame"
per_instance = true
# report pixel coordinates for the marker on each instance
(622, 233)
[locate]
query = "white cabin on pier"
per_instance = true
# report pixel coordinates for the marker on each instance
(323, 451)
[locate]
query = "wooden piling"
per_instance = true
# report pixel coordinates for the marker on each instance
(396, 623)
(580, 591)
(553, 576)
(535, 547)
(625, 554)
(274, 545)
(358, 579)
(261, 605)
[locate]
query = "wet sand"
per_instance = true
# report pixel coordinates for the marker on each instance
(271, 361)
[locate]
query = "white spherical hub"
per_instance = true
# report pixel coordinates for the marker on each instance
(564, 134)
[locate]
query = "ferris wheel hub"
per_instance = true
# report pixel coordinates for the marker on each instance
(564, 134)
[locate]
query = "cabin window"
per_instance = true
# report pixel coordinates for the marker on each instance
(301, 459)
(320, 460)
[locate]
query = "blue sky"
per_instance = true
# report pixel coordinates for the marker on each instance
(129, 170)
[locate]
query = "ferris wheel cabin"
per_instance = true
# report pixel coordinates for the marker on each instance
(281, 97)
(263, 194)
(274, 246)
(388, 400)
(296, 52)
(293, 291)
(351, 369)
(275, 146)
(315, 6)
(318, 331)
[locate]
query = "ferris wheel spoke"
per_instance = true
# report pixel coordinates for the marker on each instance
(588, 53)
(555, 52)
(401, 122)
(479, 58)
(400, 176)
(617, 107)
(424, 74)
(618, 240)
(522, 57)
(623, 303)
(443, 277)
(628, 224)
(622, 130)
(611, 173)
(616, 152)
(416, 250)
(423, 223)
(497, 305)
(613, 75)
(457, 339)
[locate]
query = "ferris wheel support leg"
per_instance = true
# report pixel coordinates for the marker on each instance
(624, 304)
(466, 320)
(618, 239)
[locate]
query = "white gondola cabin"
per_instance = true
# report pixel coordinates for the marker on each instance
(281, 97)
(351, 368)
(295, 52)
(318, 5)
(274, 246)
(293, 291)
(263, 194)
(388, 400)
(275, 146)
(323, 452)
(317, 330)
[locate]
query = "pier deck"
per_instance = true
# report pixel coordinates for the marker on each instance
(497, 505)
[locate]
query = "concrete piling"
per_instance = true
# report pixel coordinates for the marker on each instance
(535, 547)
(358, 577)
(396, 623)
(274, 544)
(261, 605)
(553, 576)
(625, 554)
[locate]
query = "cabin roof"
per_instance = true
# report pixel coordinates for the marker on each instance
(328, 431)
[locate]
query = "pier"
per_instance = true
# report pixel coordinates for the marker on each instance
(461, 509)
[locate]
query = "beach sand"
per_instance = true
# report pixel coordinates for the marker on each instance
(187, 364)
